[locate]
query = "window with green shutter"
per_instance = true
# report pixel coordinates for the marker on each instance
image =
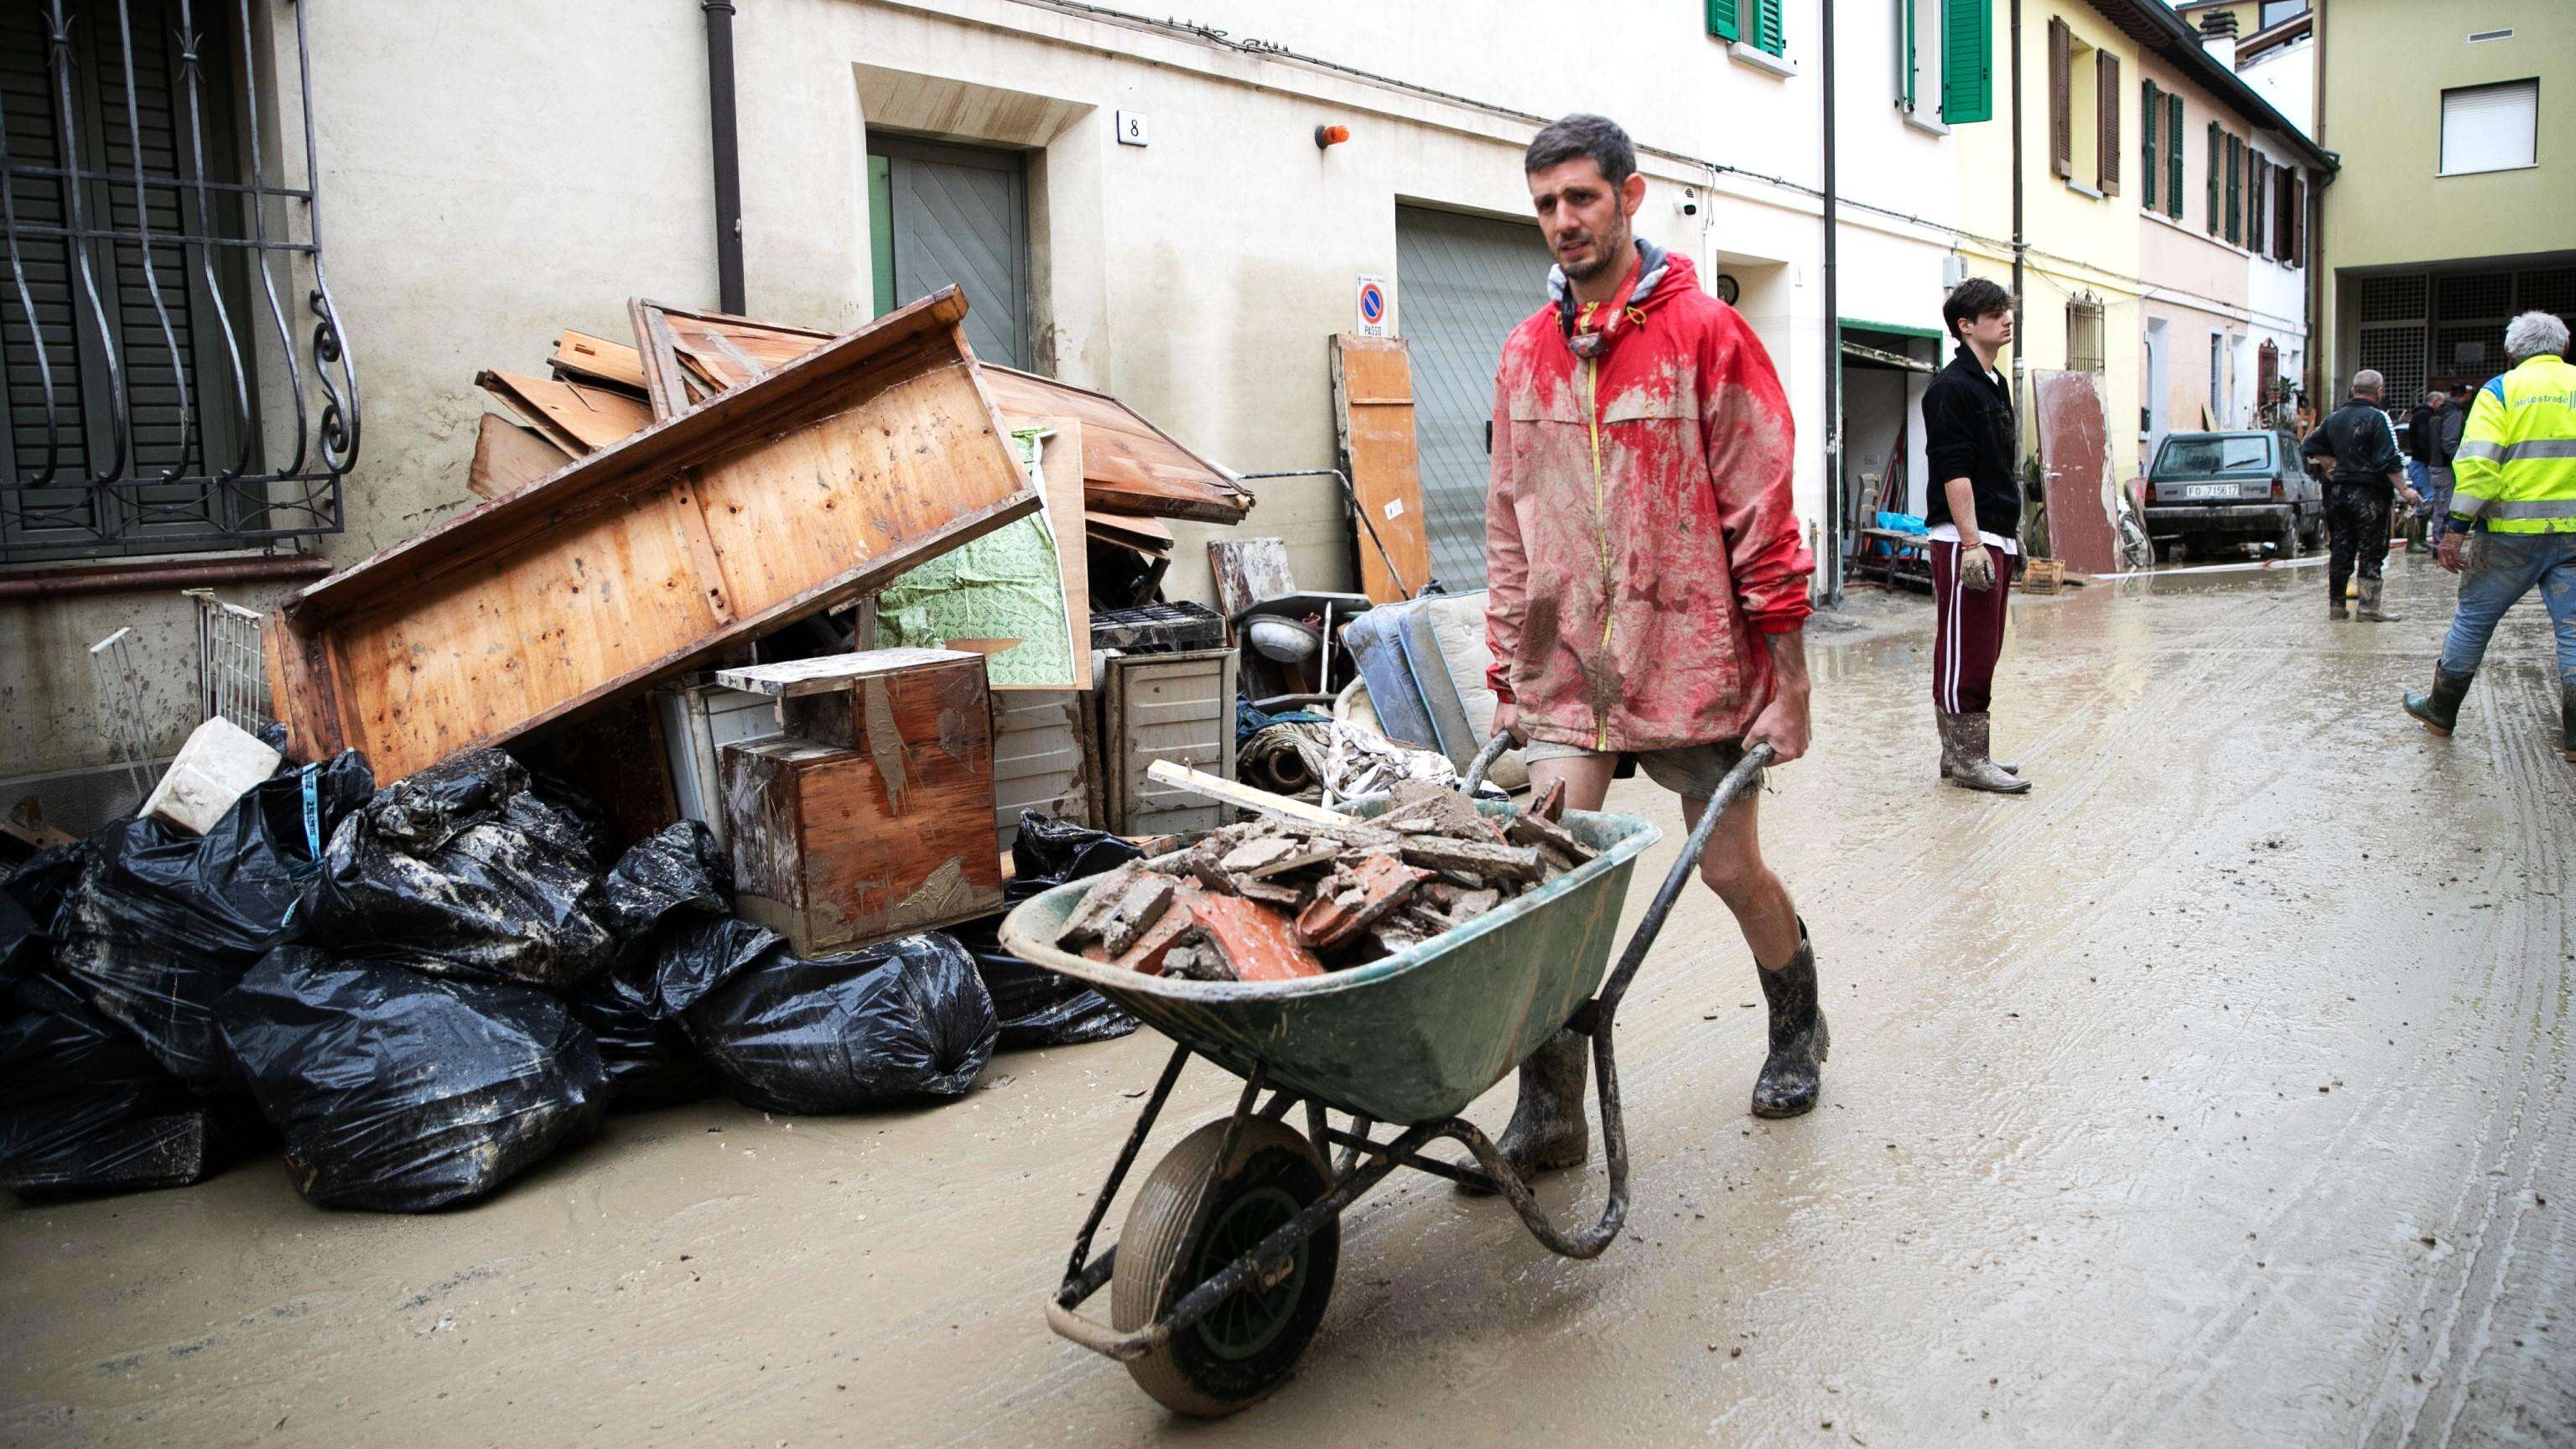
(1723, 21)
(1905, 62)
(2150, 125)
(1768, 32)
(1967, 61)
(2235, 189)
(2217, 164)
(2173, 157)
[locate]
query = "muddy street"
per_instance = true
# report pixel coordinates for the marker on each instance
(2215, 1093)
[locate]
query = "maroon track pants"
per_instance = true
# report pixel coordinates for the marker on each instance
(1967, 630)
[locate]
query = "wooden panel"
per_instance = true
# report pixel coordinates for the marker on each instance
(576, 418)
(1128, 464)
(721, 351)
(1373, 432)
(2075, 458)
(580, 357)
(583, 587)
(509, 457)
(838, 847)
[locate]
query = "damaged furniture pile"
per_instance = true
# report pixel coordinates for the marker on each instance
(1303, 891)
(683, 763)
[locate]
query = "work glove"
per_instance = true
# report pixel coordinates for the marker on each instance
(1976, 568)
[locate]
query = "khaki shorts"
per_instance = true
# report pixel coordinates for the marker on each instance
(1690, 771)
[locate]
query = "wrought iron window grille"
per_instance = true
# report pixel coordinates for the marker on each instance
(164, 393)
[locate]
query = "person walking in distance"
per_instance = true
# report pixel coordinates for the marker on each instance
(2512, 524)
(2450, 423)
(1971, 440)
(1648, 584)
(2359, 442)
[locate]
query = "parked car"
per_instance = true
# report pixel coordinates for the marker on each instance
(2209, 491)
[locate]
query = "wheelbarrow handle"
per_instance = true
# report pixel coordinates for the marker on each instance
(1729, 790)
(1485, 758)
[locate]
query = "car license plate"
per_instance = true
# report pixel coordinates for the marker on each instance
(2210, 490)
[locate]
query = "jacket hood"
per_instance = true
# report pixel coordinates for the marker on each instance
(1659, 277)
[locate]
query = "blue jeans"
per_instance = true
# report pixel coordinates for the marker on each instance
(2416, 474)
(2437, 498)
(2502, 568)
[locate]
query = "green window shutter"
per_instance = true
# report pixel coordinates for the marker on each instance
(2217, 164)
(2149, 125)
(1967, 61)
(1905, 56)
(2173, 157)
(2235, 189)
(1768, 32)
(881, 230)
(1722, 21)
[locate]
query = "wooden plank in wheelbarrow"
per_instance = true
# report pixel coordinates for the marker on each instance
(656, 554)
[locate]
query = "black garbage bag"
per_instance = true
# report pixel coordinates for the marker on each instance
(1037, 1007)
(899, 1021)
(31, 902)
(663, 893)
(403, 1092)
(464, 870)
(161, 923)
(85, 1109)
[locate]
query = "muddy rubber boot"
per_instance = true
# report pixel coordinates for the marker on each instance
(1946, 725)
(2369, 612)
(1548, 1131)
(2439, 711)
(1971, 769)
(1793, 1073)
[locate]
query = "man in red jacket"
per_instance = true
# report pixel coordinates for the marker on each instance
(1649, 586)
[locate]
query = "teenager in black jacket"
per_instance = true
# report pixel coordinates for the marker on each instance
(1975, 514)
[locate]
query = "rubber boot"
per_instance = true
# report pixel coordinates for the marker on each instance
(2567, 720)
(1548, 1131)
(2369, 612)
(1793, 1073)
(1970, 769)
(2439, 711)
(2336, 593)
(1946, 725)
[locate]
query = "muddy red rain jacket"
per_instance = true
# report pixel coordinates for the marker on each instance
(1639, 538)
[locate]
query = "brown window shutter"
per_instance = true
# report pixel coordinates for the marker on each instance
(2061, 115)
(2299, 225)
(2106, 91)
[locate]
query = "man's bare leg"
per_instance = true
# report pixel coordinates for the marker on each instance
(1733, 867)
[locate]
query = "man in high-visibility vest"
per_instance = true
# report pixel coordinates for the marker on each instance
(2515, 484)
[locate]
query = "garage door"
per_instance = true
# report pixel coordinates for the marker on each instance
(1462, 284)
(943, 215)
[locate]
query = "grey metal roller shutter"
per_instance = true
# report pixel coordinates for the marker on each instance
(1462, 284)
(960, 216)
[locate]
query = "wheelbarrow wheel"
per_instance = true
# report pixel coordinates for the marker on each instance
(1246, 1346)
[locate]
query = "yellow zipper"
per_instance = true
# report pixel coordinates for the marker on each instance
(1601, 525)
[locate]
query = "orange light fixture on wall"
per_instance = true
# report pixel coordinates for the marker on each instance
(1331, 136)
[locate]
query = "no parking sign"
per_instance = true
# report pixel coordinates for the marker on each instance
(1373, 306)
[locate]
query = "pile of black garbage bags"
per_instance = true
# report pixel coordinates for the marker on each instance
(427, 989)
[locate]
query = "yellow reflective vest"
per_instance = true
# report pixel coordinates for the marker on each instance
(2516, 469)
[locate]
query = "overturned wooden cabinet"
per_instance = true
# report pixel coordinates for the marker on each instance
(871, 814)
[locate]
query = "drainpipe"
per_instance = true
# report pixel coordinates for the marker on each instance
(1833, 349)
(728, 155)
(2020, 409)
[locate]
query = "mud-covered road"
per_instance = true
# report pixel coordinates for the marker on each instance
(2215, 1094)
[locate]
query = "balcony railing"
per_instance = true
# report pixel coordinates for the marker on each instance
(177, 373)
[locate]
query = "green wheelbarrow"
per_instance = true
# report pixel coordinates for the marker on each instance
(1227, 1259)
